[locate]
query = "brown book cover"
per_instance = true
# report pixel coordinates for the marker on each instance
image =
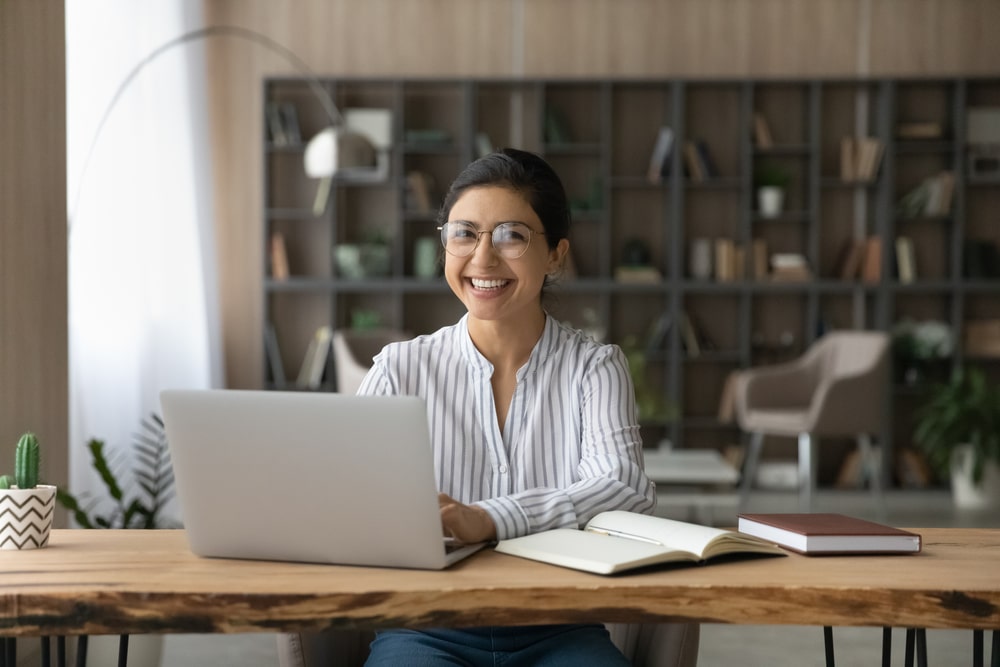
(814, 534)
(871, 266)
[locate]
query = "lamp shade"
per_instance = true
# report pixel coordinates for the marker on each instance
(335, 150)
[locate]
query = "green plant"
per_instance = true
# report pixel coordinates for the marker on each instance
(152, 473)
(771, 174)
(26, 462)
(965, 410)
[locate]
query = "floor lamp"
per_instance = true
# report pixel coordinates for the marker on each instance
(335, 151)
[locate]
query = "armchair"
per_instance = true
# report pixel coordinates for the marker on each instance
(837, 388)
(353, 352)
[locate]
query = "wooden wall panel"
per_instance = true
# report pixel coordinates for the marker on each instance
(548, 38)
(33, 341)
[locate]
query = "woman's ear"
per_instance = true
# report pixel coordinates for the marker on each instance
(557, 256)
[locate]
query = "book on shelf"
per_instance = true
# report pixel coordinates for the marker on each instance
(638, 275)
(656, 339)
(762, 131)
(906, 266)
(689, 336)
(851, 255)
(860, 158)
(659, 160)
(919, 130)
(790, 267)
(692, 164)
(705, 160)
(618, 541)
(758, 260)
(725, 260)
(273, 351)
(290, 123)
(420, 190)
(871, 263)
(932, 197)
(275, 124)
(314, 363)
(279, 257)
(824, 534)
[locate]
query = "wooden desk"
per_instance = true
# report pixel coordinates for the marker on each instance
(107, 582)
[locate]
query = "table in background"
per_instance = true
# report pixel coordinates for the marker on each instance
(698, 480)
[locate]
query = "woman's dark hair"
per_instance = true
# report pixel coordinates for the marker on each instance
(525, 173)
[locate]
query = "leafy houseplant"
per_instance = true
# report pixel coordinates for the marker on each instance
(962, 414)
(771, 179)
(152, 473)
(26, 507)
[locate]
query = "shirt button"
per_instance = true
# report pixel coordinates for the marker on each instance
(502, 468)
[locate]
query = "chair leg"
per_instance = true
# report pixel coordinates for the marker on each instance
(807, 471)
(873, 472)
(750, 467)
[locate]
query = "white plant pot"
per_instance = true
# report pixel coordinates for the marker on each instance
(967, 494)
(26, 517)
(770, 201)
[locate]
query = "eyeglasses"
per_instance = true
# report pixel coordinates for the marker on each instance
(510, 239)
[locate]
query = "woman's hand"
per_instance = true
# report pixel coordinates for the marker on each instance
(466, 523)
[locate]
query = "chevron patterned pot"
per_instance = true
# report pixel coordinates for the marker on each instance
(26, 517)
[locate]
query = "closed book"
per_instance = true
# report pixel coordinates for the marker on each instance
(617, 541)
(818, 534)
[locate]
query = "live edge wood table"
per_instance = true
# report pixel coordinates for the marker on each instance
(132, 581)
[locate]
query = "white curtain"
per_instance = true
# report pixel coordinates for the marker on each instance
(143, 302)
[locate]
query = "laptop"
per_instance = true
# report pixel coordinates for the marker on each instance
(308, 477)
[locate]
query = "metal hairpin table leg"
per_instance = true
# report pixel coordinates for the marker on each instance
(828, 645)
(123, 651)
(46, 659)
(995, 651)
(921, 647)
(887, 647)
(908, 653)
(977, 648)
(61, 650)
(81, 651)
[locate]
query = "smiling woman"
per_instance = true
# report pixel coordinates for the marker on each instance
(533, 424)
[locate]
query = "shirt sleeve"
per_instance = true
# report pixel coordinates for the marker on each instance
(609, 474)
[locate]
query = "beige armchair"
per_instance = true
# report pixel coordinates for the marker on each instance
(353, 352)
(645, 644)
(837, 388)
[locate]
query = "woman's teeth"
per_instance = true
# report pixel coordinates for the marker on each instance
(488, 284)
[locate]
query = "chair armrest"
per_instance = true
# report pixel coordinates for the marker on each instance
(786, 385)
(855, 400)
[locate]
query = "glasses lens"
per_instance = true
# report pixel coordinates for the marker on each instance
(459, 238)
(511, 239)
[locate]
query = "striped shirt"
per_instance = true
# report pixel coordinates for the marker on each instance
(570, 448)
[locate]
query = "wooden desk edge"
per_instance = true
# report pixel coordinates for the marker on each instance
(514, 592)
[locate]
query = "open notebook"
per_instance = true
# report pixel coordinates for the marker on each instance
(311, 477)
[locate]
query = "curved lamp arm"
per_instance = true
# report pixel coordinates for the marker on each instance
(330, 151)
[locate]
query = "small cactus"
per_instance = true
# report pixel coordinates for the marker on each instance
(26, 459)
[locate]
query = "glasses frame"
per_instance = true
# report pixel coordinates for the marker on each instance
(491, 232)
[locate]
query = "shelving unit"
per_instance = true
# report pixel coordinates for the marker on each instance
(599, 135)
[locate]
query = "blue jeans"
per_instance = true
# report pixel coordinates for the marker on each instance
(523, 646)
